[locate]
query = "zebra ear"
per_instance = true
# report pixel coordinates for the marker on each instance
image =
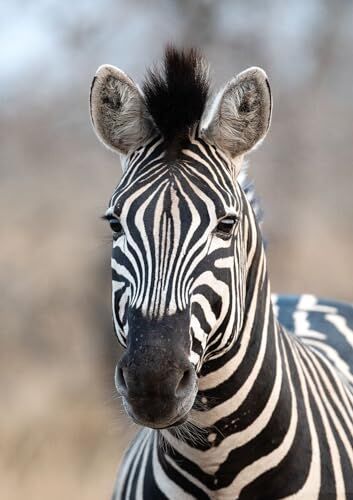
(241, 113)
(118, 112)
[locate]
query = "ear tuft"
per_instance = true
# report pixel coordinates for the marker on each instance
(118, 112)
(241, 114)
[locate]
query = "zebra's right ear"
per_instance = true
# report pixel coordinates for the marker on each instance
(118, 111)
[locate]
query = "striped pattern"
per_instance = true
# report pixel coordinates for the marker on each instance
(169, 214)
(273, 416)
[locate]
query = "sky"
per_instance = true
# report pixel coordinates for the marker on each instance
(51, 41)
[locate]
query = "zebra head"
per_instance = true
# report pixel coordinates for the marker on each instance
(180, 222)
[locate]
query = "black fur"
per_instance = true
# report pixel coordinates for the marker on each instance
(176, 94)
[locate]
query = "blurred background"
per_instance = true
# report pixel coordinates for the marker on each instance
(62, 430)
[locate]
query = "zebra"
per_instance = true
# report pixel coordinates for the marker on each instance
(240, 393)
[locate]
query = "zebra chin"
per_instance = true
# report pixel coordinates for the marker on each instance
(156, 422)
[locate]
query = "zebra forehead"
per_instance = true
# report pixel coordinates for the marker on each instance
(170, 182)
(139, 187)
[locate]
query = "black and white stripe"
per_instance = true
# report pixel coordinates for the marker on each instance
(273, 414)
(275, 408)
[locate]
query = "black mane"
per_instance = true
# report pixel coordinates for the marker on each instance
(176, 93)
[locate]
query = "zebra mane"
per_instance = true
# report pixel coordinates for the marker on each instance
(176, 93)
(176, 96)
(248, 187)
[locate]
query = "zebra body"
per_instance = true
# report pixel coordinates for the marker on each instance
(233, 404)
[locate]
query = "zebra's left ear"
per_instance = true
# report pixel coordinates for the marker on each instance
(241, 113)
(118, 110)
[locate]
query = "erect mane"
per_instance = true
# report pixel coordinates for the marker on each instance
(176, 93)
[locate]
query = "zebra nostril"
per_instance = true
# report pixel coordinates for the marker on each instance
(120, 380)
(184, 384)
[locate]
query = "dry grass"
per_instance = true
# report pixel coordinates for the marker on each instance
(71, 450)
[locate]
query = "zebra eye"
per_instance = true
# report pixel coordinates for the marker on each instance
(226, 225)
(115, 225)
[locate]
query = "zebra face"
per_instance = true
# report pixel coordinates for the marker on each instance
(180, 225)
(178, 265)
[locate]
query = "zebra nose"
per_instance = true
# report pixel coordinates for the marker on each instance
(159, 394)
(175, 383)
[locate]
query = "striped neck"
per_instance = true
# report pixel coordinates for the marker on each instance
(245, 396)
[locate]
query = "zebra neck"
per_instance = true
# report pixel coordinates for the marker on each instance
(244, 395)
(235, 391)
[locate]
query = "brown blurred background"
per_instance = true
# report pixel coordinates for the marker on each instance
(62, 430)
